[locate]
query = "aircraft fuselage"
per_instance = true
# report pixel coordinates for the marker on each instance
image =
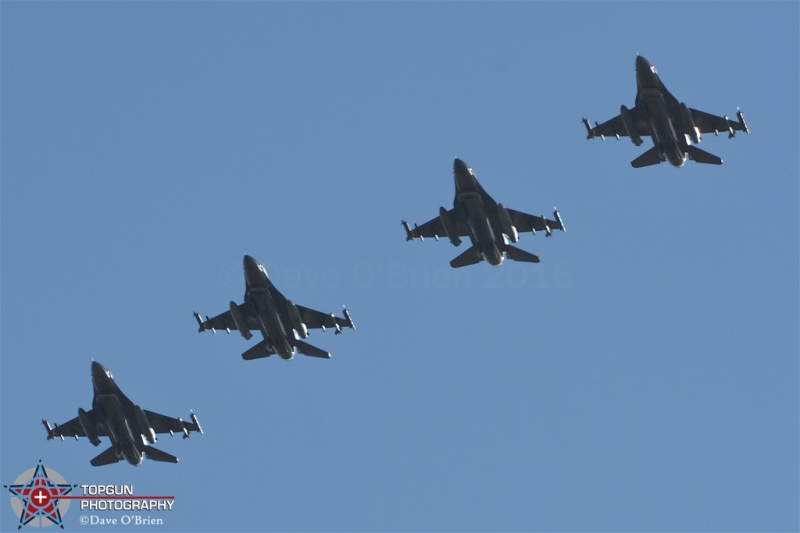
(107, 404)
(661, 110)
(259, 296)
(469, 201)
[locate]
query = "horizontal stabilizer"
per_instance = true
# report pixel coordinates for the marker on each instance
(258, 351)
(469, 257)
(155, 454)
(312, 351)
(515, 254)
(700, 156)
(648, 158)
(108, 457)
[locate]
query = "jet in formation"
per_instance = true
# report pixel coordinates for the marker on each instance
(282, 323)
(673, 127)
(130, 428)
(489, 225)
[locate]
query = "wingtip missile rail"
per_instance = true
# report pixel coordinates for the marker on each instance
(46, 425)
(740, 117)
(557, 215)
(409, 237)
(52, 432)
(348, 318)
(203, 326)
(590, 132)
(195, 422)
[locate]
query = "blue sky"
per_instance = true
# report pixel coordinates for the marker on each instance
(642, 377)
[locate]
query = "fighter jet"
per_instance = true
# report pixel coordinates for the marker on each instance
(489, 225)
(281, 322)
(673, 126)
(129, 427)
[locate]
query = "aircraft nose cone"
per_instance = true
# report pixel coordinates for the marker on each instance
(97, 368)
(642, 64)
(252, 270)
(101, 378)
(459, 167)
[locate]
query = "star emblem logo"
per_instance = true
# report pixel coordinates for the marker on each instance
(37, 496)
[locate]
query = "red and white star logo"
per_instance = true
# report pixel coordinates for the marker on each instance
(39, 496)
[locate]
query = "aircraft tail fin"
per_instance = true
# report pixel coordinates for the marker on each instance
(516, 254)
(312, 351)
(469, 257)
(258, 351)
(155, 454)
(650, 157)
(108, 457)
(700, 156)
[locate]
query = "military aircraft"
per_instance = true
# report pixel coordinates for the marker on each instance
(673, 126)
(129, 427)
(281, 322)
(489, 225)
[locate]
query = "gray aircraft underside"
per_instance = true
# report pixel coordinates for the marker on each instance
(674, 127)
(489, 225)
(282, 323)
(130, 428)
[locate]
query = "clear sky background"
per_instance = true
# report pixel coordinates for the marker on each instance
(642, 377)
